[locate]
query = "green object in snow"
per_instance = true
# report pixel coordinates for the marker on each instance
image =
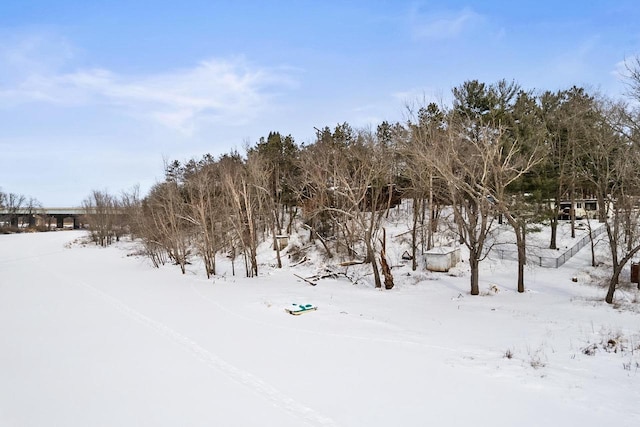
(300, 308)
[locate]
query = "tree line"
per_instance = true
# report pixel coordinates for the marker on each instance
(16, 211)
(498, 153)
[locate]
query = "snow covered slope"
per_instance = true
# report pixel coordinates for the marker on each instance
(96, 337)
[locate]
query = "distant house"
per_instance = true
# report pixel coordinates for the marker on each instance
(583, 208)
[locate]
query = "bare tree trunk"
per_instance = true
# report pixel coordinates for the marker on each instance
(428, 238)
(573, 210)
(520, 230)
(431, 213)
(276, 243)
(292, 216)
(554, 228)
(592, 244)
(414, 230)
(474, 265)
(522, 254)
(386, 270)
(613, 283)
(374, 267)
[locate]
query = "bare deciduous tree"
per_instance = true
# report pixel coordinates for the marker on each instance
(348, 186)
(241, 195)
(611, 168)
(14, 204)
(203, 210)
(633, 77)
(425, 126)
(101, 210)
(477, 167)
(165, 209)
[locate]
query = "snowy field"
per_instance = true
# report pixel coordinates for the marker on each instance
(97, 337)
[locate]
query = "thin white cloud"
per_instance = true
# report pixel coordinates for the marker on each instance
(620, 70)
(230, 91)
(576, 63)
(442, 25)
(33, 53)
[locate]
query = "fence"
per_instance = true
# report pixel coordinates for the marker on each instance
(549, 261)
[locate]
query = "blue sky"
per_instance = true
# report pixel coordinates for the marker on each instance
(96, 94)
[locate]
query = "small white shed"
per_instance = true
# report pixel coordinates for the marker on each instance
(442, 258)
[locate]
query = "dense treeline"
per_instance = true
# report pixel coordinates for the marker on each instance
(498, 153)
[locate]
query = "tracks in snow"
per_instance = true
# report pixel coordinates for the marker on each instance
(261, 388)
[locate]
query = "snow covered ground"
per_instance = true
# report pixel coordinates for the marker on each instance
(97, 337)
